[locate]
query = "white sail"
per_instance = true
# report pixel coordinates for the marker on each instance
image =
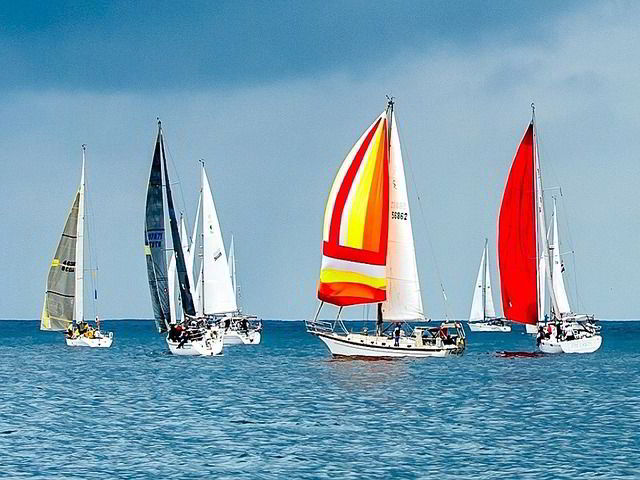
(192, 245)
(543, 269)
(489, 308)
(476, 304)
(218, 295)
(171, 283)
(198, 298)
(232, 269)
(557, 277)
(404, 299)
(542, 280)
(79, 305)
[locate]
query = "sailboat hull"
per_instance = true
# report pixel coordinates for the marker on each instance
(578, 345)
(104, 341)
(356, 345)
(488, 327)
(235, 337)
(208, 346)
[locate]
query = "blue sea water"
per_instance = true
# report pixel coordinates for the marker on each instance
(285, 409)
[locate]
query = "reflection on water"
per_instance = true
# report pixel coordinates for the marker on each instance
(286, 409)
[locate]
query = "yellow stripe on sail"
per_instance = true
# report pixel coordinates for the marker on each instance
(358, 214)
(337, 276)
(55, 262)
(147, 250)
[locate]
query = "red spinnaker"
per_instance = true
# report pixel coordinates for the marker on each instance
(517, 253)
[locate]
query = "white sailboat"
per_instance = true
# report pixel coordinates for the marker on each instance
(63, 308)
(524, 252)
(191, 336)
(482, 317)
(217, 285)
(369, 256)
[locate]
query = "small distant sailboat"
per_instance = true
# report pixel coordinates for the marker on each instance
(192, 336)
(524, 253)
(63, 308)
(216, 294)
(369, 255)
(482, 317)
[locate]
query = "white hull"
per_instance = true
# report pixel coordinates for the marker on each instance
(578, 345)
(531, 329)
(104, 341)
(234, 337)
(356, 345)
(488, 327)
(210, 345)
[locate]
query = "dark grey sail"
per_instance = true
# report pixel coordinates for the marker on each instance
(181, 267)
(154, 242)
(59, 299)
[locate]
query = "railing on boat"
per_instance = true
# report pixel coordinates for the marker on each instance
(318, 326)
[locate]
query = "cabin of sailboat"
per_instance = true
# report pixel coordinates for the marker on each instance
(368, 254)
(524, 253)
(63, 308)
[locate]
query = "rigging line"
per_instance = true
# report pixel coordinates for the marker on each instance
(179, 182)
(424, 221)
(565, 207)
(89, 216)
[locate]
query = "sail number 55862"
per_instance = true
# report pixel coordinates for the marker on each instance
(399, 215)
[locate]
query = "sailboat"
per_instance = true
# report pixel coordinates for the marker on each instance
(63, 308)
(191, 336)
(482, 317)
(369, 256)
(524, 254)
(216, 294)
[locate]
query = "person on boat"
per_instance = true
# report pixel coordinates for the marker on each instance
(540, 335)
(245, 325)
(569, 334)
(379, 327)
(396, 335)
(227, 323)
(97, 322)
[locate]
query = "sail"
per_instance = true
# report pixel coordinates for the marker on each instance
(558, 281)
(154, 243)
(198, 299)
(189, 253)
(218, 294)
(404, 299)
(192, 246)
(542, 280)
(181, 268)
(356, 224)
(79, 306)
(489, 308)
(58, 309)
(477, 311)
(232, 269)
(171, 276)
(517, 247)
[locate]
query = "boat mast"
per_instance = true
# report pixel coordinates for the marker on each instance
(202, 233)
(390, 103)
(484, 280)
(79, 270)
(542, 249)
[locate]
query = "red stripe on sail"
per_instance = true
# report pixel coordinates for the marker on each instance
(517, 252)
(343, 193)
(344, 294)
(355, 254)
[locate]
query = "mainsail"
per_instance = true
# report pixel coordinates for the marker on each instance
(218, 295)
(154, 241)
(559, 289)
(58, 308)
(181, 268)
(489, 309)
(477, 309)
(232, 269)
(517, 245)
(404, 299)
(356, 224)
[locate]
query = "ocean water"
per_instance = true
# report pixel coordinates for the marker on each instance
(285, 409)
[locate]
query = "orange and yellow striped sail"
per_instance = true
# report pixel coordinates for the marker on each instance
(356, 224)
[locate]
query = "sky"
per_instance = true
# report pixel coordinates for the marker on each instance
(273, 95)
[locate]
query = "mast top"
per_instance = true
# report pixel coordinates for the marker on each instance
(390, 102)
(159, 123)
(533, 112)
(84, 147)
